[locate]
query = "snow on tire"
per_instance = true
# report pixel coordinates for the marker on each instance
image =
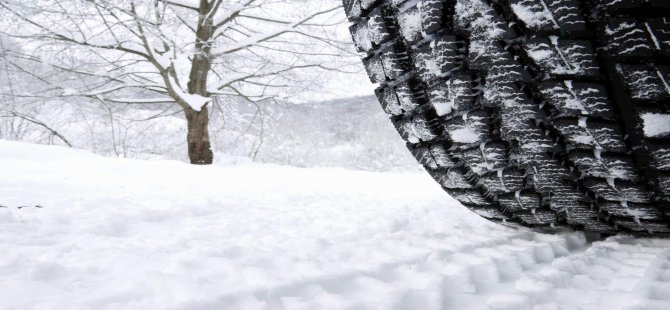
(552, 114)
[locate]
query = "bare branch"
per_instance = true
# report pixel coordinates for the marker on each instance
(41, 124)
(252, 41)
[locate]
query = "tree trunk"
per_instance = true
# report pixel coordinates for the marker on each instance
(199, 148)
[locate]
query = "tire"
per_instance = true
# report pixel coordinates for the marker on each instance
(551, 114)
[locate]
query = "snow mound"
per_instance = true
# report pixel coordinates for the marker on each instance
(130, 234)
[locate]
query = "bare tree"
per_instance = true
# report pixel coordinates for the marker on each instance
(180, 52)
(16, 114)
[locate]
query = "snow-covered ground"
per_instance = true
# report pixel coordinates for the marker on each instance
(130, 234)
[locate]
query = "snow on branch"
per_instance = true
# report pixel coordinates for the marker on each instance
(187, 50)
(187, 4)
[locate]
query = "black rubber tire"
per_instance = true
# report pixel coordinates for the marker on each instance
(552, 114)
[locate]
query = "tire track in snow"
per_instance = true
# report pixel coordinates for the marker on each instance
(653, 289)
(522, 270)
(440, 279)
(602, 277)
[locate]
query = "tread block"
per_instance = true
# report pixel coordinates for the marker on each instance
(405, 97)
(577, 99)
(416, 129)
(367, 4)
(423, 156)
(503, 181)
(395, 61)
(520, 200)
(534, 152)
(536, 217)
(647, 83)
(470, 197)
(660, 29)
(591, 135)
(438, 58)
(619, 4)
(409, 95)
(410, 24)
(454, 178)
(547, 15)
(629, 37)
(536, 146)
(564, 196)
(563, 57)
(398, 4)
(660, 156)
(472, 127)
(352, 8)
(549, 176)
(517, 112)
(480, 20)
(643, 226)
(607, 135)
(389, 100)
(490, 213)
(454, 95)
(360, 34)
(421, 19)
(380, 29)
(622, 190)
(630, 4)
(656, 227)
(375, 69)
(597, 227)
(664, 186)
(441, 156)
(490, 57)
(518, 122)
(433, 157)
(507, 95)
(630, 210)
(606, 166)
(630, 225)
(581, 213)
(432, 13)
(488, 157)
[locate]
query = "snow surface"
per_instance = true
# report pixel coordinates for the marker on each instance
(129, 234)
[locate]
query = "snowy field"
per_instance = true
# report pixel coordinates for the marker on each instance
(131, 234)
